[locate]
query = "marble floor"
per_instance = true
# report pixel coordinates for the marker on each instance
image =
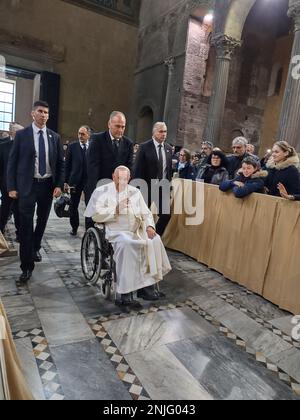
(209, 339)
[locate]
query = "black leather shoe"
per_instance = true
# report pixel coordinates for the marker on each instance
(147, 295)
(135, 305)
(25, 276)
(73, 232)
(37, 257)
(125, 309)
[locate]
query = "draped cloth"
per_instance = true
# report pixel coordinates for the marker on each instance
(12, 382)
(140, 262)
(254, 242)
(3, 244)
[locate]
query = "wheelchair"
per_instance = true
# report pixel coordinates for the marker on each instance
(97, 261)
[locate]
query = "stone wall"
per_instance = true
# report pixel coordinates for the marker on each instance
(175, 28)
(163, 34)
(94, 54)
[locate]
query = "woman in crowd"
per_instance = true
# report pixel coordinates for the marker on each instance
(250, 180)
(185, 169)
(283, 169)
(215, 172)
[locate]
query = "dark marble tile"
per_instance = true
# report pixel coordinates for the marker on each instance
(178, 287)
(91, 304)
(228, 373)
(258, 306)
(21, 313)
(8, 286)
(86, 373)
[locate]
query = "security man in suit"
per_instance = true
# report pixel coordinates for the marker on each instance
(154, 165)
(77, 175)
(35, 175)
(108, 151)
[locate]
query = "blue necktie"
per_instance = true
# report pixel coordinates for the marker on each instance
(42, 154)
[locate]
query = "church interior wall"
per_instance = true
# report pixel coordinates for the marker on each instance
(94, 55)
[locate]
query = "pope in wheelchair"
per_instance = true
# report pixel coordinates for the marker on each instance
(138, 252)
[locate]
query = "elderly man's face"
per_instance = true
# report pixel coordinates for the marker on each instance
(239, 149)
(160, 134)
(83, 135)
(117, 126)
(206, 150)
(121, 178)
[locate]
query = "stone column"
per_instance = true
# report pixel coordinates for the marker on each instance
(289, 123)
(225, 48)
(170, 63)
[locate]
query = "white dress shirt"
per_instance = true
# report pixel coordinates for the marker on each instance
(36, 136)
(86, 145)
(113, 138)
(163, 150)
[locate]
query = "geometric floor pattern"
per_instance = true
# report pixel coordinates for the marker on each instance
(46, 366)
(230, 299)
(130, 379)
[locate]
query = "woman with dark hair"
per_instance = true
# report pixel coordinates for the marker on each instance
(185, 169)
(283, 170)
(215, 172)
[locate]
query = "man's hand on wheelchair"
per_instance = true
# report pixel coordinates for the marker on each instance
(151, 233)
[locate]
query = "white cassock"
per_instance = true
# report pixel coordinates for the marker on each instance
(140, 262)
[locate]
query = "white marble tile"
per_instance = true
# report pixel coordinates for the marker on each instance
(289, 362)
(64, 325)
(164, 377)
(284, 324)
(152, 330)
(29, 367)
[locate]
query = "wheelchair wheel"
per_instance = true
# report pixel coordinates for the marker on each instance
(91, 256)
(108, 281)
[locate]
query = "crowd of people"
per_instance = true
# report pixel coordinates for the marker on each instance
(35, 168)
(243, 172)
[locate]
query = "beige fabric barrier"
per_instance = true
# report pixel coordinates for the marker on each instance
(254, 242)
(3, 244)
(12, 382)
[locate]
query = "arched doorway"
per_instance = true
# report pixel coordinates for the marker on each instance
(145, 124)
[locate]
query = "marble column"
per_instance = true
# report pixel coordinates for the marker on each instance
(170, 63)
(289, 123)
(225, 48)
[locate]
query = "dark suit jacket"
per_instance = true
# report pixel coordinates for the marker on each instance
(75, 165)
(102, 160)
(5, 139)
(21, 164)
(5, 148)
(147, 164)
